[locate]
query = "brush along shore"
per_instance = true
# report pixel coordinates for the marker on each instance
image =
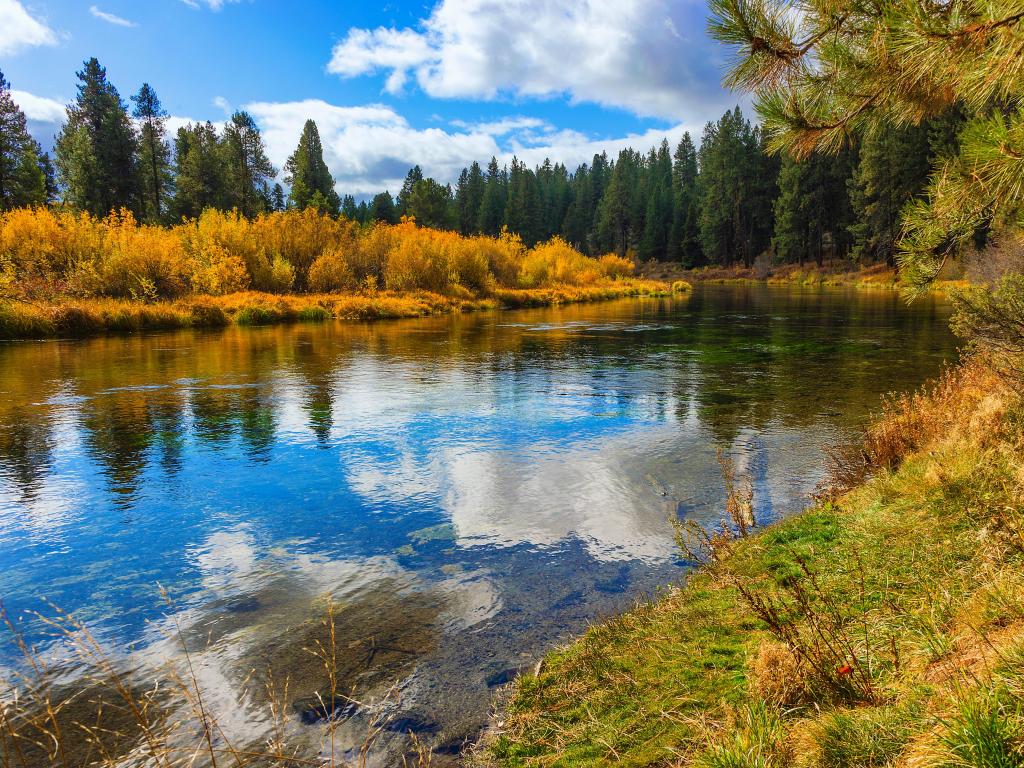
(81, 317)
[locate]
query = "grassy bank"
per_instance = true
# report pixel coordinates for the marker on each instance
(81, 317)
(881, 627)
(836, 274)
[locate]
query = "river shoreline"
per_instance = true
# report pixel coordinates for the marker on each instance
(22, 319)
(838, 274)
(892, 605)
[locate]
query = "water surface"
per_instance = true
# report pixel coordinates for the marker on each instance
(470, 490)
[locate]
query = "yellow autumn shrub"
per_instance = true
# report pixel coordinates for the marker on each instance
(331, 273)
(61, 253)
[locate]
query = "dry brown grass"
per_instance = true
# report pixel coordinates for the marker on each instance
(967, 398)
(93, 711)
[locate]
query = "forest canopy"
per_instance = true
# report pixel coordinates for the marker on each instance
(721, 200)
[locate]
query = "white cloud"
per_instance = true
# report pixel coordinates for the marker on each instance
(39, 108)
(371, 148)
(222, 104)
(650, 57)
(20, 30)
(45, 116)
(505, 125)
(110, 18)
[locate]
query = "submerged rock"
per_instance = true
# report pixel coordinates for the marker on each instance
(314, 709)
(412, 723)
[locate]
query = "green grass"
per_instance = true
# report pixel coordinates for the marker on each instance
(83, 317)
(918, 578)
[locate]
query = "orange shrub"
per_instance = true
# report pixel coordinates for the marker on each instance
(58, 253)
(217, 272)
(331, 273)
(420, 258)
(616, 266)
(140, 262)
(557, 262)
(38, 242)
(301, 237)
(227, 234)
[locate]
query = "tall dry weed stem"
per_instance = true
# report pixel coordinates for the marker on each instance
(90, 710)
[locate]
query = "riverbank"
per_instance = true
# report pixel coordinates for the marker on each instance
(882, 626)
(837, 274)
(83, 317)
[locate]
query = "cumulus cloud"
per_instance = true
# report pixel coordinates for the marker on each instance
(20, 30)
(110, 18)
(39, 108)
(45, 116)
(650, 57)
(371, 148)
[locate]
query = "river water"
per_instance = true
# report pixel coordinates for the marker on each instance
(469, 491)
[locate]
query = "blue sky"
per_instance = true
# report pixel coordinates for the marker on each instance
(434, 82)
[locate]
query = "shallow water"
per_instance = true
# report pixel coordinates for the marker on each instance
(470, 490)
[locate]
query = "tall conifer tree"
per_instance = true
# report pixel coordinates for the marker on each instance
(310, 179)
(23, 176)
(96, 149)
(154, 154)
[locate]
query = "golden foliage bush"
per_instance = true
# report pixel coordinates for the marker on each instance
(332, 273)
(62, 255)
(964, 400)
(556, 262)
(616, 266)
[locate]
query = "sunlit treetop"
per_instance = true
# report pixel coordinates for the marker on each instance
(825, 71)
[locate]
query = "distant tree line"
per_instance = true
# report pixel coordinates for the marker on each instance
(727, 201)
(111, 157)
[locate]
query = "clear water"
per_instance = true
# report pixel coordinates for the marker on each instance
(470, 490)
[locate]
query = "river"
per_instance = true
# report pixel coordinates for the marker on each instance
(469, 490)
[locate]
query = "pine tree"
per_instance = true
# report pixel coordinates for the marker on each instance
(382, 209)
(522, 206)
(308, 174)
(349, 209)
(856, 69)
(620, 217)
(248, 169)
(469, 197)
(49, 178)
(738, 186)
(577, 222)
(154, 154)
(413, 177)
(492, 207)
(813, 213)
(199, 180)
(893, 170)
(684, 236)
(658, 215)
(23, 167)
(96, 149)
(431, 204)
(277, 198)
